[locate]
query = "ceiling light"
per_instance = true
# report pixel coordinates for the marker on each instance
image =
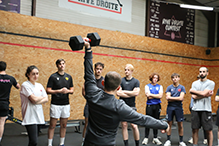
(196, 7)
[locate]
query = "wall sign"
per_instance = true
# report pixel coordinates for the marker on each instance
(114, 9)
(10, 5)
(170, 22)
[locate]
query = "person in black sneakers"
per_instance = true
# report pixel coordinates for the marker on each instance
(6, 82)
(105, 111)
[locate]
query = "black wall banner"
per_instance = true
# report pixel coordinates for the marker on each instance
(170, 22)
(10, 5)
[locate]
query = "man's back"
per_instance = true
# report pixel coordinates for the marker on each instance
(6, 82)
(106, 112)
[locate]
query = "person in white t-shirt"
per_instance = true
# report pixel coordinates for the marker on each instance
(33, 95)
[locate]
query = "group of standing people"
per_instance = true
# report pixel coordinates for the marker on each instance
(33, 95)
(100, 93)
(201, 110)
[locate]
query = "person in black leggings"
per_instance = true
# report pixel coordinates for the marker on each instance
(154, 93)
(33, 95)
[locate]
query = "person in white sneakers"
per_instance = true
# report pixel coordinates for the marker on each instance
(175, 94)
(154, 93)
(201, 92)
(60, 85)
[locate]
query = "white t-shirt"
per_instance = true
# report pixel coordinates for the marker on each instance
(203, 104)
(32, 113)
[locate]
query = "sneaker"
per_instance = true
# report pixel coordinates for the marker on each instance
(145, 141)
(205, 141)
(167, 143)
(190, 140)
(182, 144)
(156, 141)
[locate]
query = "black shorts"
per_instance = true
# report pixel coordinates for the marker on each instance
(86, 112)
(202, 119)
(217, 120)
(175, 111)
(86, 143)
(4, 109)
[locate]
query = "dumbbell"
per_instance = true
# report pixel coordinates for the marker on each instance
(77, 42)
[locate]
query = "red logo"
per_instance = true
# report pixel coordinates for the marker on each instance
(40, 90)
(179, 90)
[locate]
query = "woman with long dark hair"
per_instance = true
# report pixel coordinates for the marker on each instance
(33, 95)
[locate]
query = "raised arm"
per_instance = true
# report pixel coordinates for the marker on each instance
(90, 82)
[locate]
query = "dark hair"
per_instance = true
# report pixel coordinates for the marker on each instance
(175, 74)
(3, 66)
(99, 63)
(58, 61)
(29, 69)
(112, 81)
(152, 76)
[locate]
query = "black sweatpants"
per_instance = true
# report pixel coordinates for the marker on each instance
(154, 111)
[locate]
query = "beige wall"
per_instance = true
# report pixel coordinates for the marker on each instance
(21, 51)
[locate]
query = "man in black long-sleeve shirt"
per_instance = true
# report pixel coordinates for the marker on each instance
(105, 111)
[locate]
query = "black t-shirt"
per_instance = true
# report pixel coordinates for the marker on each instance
(217, 92)
(56, 82)
(129, 85)
(99, 82)
(6, 83)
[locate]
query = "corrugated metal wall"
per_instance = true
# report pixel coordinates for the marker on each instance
(26, 7)
(49, 9)
(201, 29)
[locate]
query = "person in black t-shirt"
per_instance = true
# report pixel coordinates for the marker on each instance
(130, 88)
(6, 83)
(60, 85)
(98, 68)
